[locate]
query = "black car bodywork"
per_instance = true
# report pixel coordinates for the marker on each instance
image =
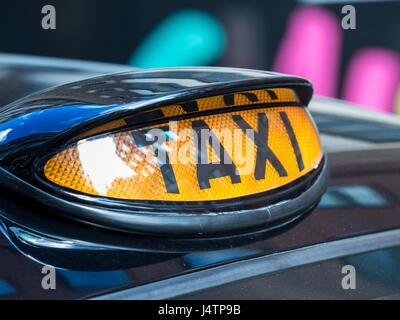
(359, 214)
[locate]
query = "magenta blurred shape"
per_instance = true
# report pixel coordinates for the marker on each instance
(372, 79)
(311, 48)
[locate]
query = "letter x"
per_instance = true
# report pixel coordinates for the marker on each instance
(260, 139)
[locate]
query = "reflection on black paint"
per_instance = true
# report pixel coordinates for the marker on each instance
(352, 196)
(93, 280)
(6, 288)
(354, 128)
(377, 276)
(200, 259)
(381, 267)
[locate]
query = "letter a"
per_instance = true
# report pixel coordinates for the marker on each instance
(49, 280)
(49, 20)
(349, 20)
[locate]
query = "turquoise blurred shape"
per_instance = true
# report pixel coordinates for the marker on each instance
(185, 38)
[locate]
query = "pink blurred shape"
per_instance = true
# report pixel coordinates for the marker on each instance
(372, 79)
(311, 48)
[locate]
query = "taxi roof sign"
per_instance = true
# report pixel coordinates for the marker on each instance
(234, 150)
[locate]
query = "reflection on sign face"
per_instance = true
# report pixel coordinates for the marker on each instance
(232, 153)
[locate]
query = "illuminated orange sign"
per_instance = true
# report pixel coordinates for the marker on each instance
(253, 142)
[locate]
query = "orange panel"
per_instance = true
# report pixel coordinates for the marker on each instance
(144, 164)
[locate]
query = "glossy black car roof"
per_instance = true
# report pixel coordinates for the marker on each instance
(355, 216)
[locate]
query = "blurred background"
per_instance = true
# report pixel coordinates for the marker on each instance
(303, 37)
